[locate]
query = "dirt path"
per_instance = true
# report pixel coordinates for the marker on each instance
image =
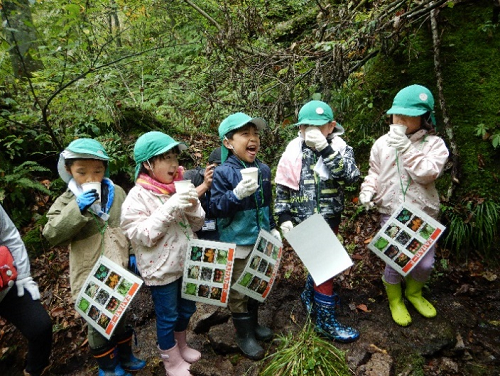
(464, 339)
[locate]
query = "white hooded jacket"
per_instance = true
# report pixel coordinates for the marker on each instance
(410, 177)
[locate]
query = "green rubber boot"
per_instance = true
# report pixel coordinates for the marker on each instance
(414, 294)
(400, 314)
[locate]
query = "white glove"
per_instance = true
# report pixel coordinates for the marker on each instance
(365, 199)
(276, 234)
(286, 226)
(245, 188)
(398, 141)
(315, 139)
(193, 196)
(178, 201)
(30, 286)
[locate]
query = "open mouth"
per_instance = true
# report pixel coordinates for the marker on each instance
(252, 150)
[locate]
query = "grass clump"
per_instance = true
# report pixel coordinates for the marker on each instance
(306, 353)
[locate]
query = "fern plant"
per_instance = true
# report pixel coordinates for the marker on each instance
(19, 188)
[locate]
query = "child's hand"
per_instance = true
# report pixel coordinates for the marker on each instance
(245, 188)
(178, 201)
(286, 226)
(398, 141)
(276, 234)
(315, 139)
(193, 196)
(365, 199)
(86, 199)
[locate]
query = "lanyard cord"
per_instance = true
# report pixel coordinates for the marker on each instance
(404, 190)
(102, 230)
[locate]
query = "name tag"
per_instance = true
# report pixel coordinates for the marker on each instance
(209, 225)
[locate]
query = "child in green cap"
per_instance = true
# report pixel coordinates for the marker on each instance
(159, 221)
(404, 164)
(89, 221)
(242, 208)
(310, 179)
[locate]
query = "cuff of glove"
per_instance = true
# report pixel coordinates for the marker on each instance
(327, 151)
(283, 218)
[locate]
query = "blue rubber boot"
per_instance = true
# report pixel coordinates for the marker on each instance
(326, 322)
(307, 296)
(125, 355)
(107, 359)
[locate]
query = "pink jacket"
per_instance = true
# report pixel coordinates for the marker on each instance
(159, 239)
(414, 172)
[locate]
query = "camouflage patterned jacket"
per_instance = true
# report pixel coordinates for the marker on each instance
(316, 194)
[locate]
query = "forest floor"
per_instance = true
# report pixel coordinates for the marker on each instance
(464, 339)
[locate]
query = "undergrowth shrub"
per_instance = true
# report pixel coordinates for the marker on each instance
(306, 353)
(472, 228)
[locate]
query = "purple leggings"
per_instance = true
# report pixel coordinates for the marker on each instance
(419, 273)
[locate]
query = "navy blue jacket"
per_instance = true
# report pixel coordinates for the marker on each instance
(239, 221)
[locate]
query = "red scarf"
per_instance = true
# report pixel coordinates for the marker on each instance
(147, 182)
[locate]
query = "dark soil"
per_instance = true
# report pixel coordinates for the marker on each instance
(464, 339)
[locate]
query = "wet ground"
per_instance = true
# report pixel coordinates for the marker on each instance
(464, 339)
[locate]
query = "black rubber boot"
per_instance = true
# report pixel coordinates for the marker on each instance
(125, 355)
(245, 336)
(262, 333)
(107, 359)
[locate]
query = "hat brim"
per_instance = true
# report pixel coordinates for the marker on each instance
(316, 122)
(260, 123)
(182, 146)
(396, 110)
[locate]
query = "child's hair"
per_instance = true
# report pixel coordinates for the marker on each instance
(158, 157)
(231, 134)
(69, 162)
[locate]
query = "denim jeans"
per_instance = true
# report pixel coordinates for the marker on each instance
(172, 312)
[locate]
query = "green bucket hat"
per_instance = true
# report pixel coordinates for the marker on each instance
(413, 100)
(236, 121)
(82, 148)
(152, 144)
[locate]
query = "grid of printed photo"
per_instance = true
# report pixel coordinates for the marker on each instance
(406, 237)
(106, 294)
(207, 271)
(259, 274)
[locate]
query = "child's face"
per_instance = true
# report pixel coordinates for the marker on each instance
(87, 170)
(325, 129)
(164, 168)
(245, 143)
(412, 123)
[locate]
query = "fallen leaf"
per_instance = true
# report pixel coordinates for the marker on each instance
(363, 307)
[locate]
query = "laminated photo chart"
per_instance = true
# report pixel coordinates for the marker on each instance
(207, 272)
(406, 237)
(259, 274)
(106, 294)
